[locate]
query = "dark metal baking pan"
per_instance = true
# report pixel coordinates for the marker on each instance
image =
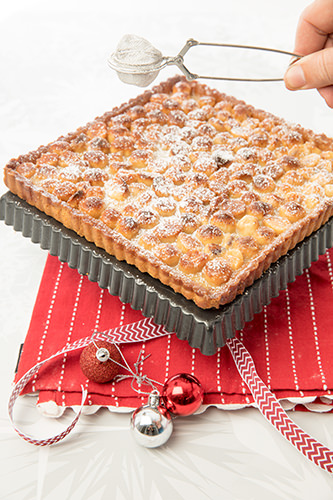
(206, 330)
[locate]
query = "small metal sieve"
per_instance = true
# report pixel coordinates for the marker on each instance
(138, 62)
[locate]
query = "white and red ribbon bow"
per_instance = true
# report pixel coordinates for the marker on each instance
(145, 330)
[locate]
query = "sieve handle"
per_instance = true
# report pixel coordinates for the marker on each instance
(179, 60)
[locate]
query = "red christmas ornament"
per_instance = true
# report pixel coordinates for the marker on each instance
(96, 361)
(182, 394)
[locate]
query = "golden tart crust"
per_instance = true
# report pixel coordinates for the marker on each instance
(196, 188)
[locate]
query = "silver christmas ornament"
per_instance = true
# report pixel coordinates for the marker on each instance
(151, 424)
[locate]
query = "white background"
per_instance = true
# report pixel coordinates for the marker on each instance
(53, 78)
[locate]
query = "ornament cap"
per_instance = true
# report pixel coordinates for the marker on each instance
(154, 399)
(102, 354)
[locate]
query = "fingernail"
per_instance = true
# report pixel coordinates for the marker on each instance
(294, 77)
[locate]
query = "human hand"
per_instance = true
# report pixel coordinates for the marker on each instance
(314, 41)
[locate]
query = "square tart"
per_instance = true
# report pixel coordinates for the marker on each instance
(198, 189)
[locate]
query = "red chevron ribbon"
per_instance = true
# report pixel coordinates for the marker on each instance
(139, 331)
(273, 411)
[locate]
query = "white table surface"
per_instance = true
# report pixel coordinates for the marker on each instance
(54, 78)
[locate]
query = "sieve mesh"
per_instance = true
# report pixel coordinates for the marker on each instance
(136, 61)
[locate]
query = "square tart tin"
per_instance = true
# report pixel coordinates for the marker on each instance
(205, 329)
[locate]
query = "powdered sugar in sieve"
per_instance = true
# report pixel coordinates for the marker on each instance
(138, 62)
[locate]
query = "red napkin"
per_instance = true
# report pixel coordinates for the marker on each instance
(290, 342)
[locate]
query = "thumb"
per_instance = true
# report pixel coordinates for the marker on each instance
(312, 71)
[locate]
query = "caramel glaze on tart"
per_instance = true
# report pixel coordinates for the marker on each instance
(198, 189)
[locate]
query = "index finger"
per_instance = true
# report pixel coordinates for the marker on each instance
(314, 27)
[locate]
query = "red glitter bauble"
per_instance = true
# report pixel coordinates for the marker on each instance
(100, 371)
(182, 394)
